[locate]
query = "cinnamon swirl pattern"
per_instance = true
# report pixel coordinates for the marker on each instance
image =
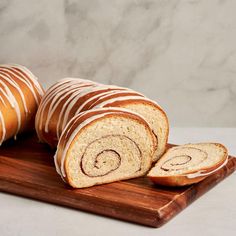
(20, 95)
(188, 164)
(149, 110)
(104, 145)
(71, 96)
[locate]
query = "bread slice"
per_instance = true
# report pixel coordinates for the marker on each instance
(104, 145)
(188, 164)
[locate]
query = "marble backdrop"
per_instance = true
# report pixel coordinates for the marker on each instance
(181, 53)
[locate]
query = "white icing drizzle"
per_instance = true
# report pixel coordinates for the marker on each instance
(2, 100)
(71, 88)
(76, 80)
(98, 88)
(112, 100)
(61, 169)
(203, 173)
(14, 104)
(59, 96)
(55, 91)
(3, 128)
(62, 84)
(26, 81)
(95, 97)
(6, 77)
(117, 92)
(65, 111)
(31, 76)
(76, 99)
(6, 96)
(13, 74)
(26, 75)
(72, 100)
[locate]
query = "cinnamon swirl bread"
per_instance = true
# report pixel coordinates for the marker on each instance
(104, 145)
(188, 164)
(69, 97)
(20, 94)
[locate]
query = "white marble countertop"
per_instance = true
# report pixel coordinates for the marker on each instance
(212, 214)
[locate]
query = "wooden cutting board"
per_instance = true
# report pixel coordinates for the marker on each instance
(27, 169)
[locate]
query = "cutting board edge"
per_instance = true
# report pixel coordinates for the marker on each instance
(167, 217)
(156, 218)
(147, 221)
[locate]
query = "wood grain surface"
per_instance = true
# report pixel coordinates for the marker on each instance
(27, 169)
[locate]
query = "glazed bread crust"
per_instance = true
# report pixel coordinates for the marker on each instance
(71, 96)
(19, 99)
(62, 102)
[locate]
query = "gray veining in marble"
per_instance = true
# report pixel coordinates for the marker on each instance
(181, 53)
